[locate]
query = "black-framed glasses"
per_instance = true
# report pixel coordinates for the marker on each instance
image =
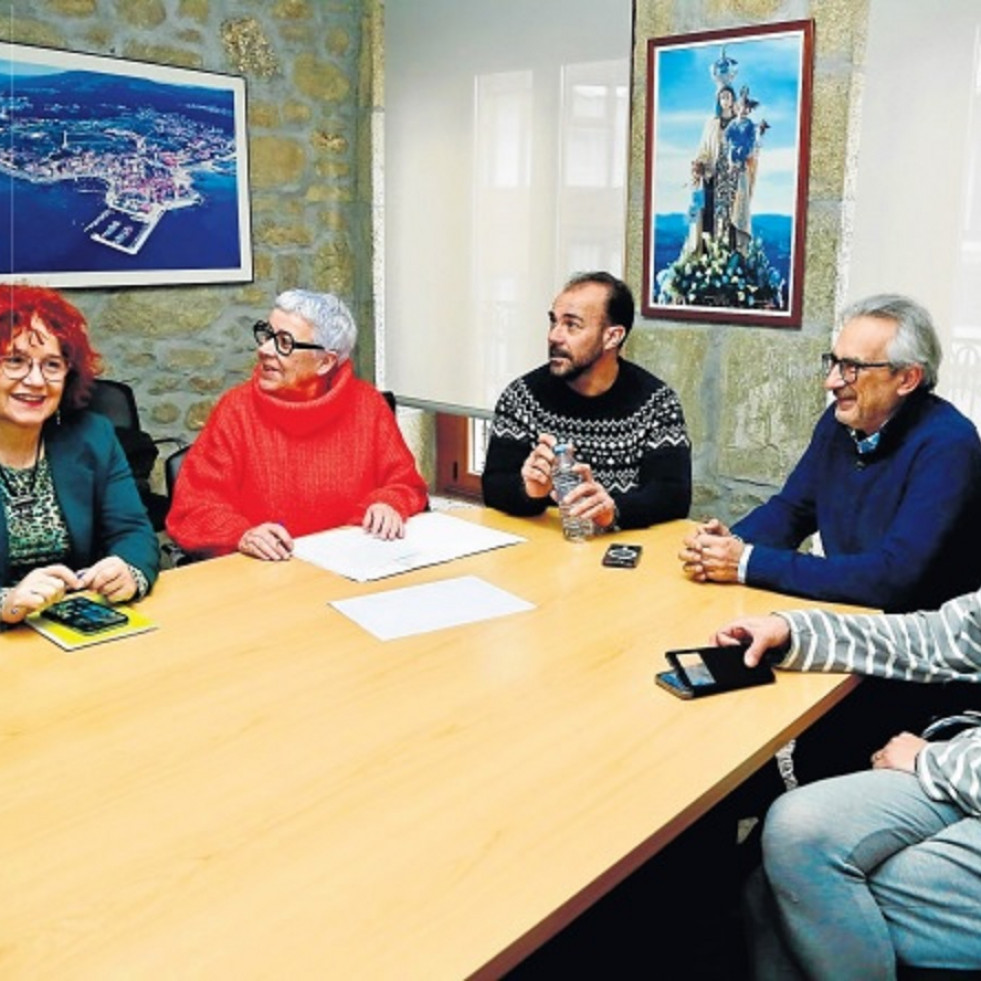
(285, 342)
(18, 366)
(849, 368)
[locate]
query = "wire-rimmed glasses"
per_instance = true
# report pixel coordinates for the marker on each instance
(54, 368)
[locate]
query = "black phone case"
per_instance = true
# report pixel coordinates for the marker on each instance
(725, 664)
(622, 556)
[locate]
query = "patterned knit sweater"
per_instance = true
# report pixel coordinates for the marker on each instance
(633, 436)
(308, 465)
(939, 646)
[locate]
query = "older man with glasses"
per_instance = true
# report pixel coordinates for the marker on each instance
(892, 481)
(302, 446)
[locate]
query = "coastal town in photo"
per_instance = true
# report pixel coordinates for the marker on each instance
(98, 167)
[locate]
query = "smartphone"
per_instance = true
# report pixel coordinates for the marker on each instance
(622, 556)
(670, 681)
(698, 671)
(84, 615)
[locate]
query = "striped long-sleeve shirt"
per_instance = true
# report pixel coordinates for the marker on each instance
(934, 647)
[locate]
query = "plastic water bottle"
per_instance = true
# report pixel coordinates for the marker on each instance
(564, 479)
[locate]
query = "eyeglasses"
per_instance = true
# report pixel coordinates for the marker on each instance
(18, 366)
(285, 342)
(849, 368)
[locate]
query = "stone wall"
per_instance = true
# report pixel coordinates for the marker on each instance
(309, 73)
(752, 395)
(312, 69)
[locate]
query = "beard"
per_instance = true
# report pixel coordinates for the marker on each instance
(571, 368)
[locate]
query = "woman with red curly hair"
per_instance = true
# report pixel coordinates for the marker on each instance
(70, 514)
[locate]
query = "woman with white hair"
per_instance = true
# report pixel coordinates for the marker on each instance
(302, 446)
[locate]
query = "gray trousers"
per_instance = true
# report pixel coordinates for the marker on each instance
(860, 872)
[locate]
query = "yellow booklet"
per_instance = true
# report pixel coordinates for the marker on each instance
(77, 621)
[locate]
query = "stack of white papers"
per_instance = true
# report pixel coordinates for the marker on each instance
(430, 538)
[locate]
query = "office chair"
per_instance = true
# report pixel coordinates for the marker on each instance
(172, 467)
(115, 400)
(172, 464)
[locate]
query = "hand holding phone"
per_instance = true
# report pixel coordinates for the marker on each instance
(699, 671)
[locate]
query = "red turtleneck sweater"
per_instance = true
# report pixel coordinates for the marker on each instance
(307, 465)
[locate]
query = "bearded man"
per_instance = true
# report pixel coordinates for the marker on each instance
(626, 425)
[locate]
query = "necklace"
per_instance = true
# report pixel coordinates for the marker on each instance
(19, 503)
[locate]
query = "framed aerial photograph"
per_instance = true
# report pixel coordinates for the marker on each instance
(120, 173)
(728, 147)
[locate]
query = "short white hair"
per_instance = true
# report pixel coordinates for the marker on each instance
(916, 340)
(332, 323)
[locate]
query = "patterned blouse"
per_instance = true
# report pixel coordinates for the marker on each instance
(36, 531)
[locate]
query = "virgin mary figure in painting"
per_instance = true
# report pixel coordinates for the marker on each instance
(720, 263)
(711, 173)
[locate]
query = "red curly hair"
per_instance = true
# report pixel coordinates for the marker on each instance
(20, 304)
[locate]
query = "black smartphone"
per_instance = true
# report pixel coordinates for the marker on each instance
(698, 671)
(622, 556)
(85, 615)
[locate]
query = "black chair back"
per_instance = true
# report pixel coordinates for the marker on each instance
(172, 466)
(116, 401)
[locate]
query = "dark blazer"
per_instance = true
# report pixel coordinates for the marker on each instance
(97, 495)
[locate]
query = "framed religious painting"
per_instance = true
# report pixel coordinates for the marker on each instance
(728, 140)
(120, 173)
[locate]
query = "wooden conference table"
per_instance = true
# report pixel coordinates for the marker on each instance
(261, 789)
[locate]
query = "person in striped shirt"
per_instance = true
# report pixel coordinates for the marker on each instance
(881, 867)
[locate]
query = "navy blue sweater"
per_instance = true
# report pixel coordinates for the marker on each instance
(900, 527)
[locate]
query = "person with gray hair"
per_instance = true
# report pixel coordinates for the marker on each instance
(891, 480)
(915, 340)
(301, 447)
(332, 323)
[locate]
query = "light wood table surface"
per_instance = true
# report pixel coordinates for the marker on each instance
(260, 789)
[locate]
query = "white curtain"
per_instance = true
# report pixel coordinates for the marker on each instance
(505, 165)
(917, 197)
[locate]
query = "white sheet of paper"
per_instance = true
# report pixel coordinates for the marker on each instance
(431, 606)
(430, 538)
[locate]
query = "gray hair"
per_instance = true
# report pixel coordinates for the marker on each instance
(332, 323)
(916, 340)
